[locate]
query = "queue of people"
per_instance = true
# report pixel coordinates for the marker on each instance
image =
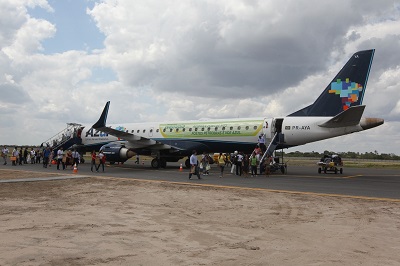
(44, 156)
(239, 163)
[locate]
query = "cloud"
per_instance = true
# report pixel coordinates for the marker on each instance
(172, 60)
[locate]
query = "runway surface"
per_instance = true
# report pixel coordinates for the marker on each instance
(365, 183)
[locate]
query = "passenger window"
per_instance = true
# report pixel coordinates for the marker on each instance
(247, 127)
(231, 128)
(190, 129)
(238, 127)
(137, 131)
(216, 128)
(144, 130)
(223, 128)
(255, 127)
(163, 130)
(208, 129)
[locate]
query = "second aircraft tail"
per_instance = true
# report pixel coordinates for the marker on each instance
(345, 90)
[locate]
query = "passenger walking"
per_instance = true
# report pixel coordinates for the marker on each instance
(261, 142)
(221, 163)
(33, 156)
(93, 163)
(75, 158)
(246, 163)
(60, 155)
(194, 169)
(239, 163)
(20, 156)
(15, 154)
(50, 160)
(253, 164)
(46, 155)
(102, 158)
(68, 159)
(4, 154)
(39, 155)
(204, 163)
(233, 162)
(25, 155)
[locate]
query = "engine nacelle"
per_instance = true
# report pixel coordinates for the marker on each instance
(116, 153)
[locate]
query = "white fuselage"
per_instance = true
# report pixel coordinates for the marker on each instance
(219, 133)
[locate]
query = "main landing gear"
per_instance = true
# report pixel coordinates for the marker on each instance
(158, 163)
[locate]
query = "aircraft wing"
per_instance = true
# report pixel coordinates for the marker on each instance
(350, 117)
(135, 142)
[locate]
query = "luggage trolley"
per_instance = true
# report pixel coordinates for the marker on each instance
(330, 163)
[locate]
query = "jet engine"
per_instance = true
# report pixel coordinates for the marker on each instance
(116, 153)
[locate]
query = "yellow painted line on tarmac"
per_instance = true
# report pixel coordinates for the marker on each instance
(255, 189)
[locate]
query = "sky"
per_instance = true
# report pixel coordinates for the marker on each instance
(170, 60)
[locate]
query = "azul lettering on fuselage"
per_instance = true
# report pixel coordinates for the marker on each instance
(301, 128)
(95, 133)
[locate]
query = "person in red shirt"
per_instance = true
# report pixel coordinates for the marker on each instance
(93, 163)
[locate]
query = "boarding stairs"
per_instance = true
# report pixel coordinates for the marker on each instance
(275, 141)
(65, 139)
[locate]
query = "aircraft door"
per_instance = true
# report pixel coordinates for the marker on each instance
(277, 125)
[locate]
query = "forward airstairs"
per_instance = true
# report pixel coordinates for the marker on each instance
(66, 138)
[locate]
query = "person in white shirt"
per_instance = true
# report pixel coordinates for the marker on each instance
(75, 157)
(33, 155)
(239, 162)
(60, 155)
(194, 165)
(5, 154)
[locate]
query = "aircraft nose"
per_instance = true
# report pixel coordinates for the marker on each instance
(367, 123)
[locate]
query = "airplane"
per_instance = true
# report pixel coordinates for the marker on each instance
(336, 112)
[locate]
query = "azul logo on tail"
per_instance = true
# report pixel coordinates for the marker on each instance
(348, 91)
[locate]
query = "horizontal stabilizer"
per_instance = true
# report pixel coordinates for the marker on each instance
(350, 117)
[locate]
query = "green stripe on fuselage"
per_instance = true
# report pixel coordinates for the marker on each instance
(242, 128)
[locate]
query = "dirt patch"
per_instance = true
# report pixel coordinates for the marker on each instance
(109, 221)
(17, 174)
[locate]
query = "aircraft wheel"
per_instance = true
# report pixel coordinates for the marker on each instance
(341, 170)
(335, 171)
(155, 163)
(187, 163)
(319, 170)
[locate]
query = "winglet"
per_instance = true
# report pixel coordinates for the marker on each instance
(103, 118)
(350, 117)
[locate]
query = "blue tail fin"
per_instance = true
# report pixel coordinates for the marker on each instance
(346, 89)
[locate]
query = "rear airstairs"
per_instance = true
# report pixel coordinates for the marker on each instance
(275, 141)
(67, 138)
